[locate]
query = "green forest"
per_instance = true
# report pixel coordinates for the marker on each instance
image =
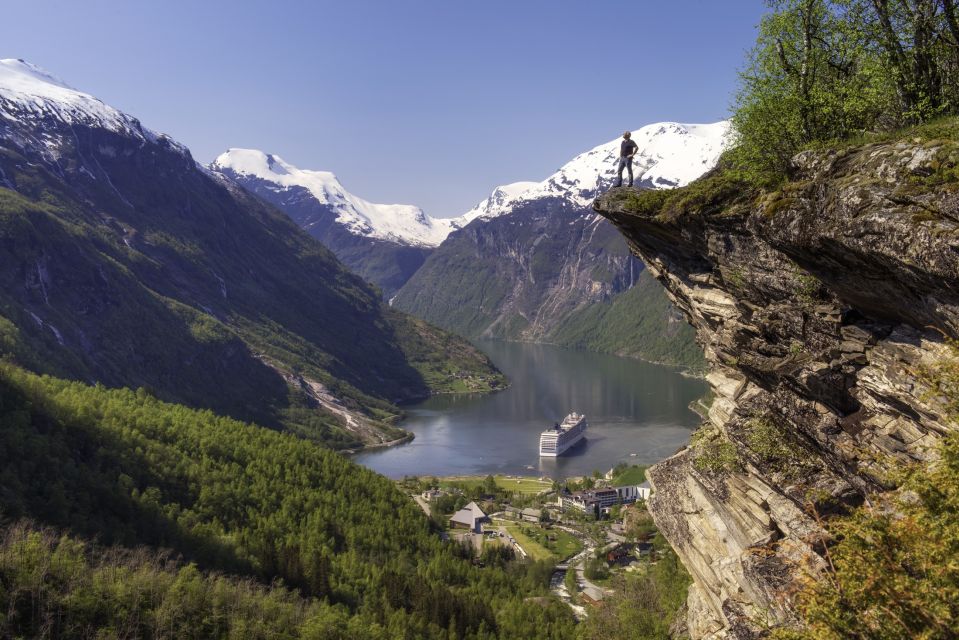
(824, 72)
(316, 541)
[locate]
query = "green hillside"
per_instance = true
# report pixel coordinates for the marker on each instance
(549, 272)
(640, 323)
(157, 275)
(128, 469)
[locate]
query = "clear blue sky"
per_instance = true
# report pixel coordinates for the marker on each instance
(428, 102)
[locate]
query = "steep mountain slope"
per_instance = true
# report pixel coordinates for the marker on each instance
(126, 263)
(824, 308)
(399, 223)
(535, 263)
(385, 244)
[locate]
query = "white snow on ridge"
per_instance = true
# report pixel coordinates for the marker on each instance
(27, 92)
(670, 155)
(401, 223)
(496, 204)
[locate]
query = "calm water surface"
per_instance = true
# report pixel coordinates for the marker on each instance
(637, 412)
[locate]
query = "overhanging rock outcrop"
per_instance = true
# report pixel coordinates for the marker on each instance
(819, 307)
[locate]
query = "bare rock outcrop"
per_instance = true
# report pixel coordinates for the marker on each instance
(819, 307)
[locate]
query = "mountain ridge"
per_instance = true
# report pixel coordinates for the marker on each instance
(545, 268)
(671, 154)
(398, 223)
(388, 244)
(125, 262)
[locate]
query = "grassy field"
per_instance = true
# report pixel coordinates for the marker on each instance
(635, 474)
(566, 544)
(514, 484)
(535, 551)
(534, 542)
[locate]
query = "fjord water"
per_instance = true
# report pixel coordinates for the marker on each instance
(638, 413)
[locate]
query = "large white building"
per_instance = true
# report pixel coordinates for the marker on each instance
(597, 500)
(644, 490)
(633, 493)
(590, 500)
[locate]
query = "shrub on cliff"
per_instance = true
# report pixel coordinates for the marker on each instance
(645, 604)
(894, 570)
(834, 69)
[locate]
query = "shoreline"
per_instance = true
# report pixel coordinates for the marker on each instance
(409, 437)
(398, 462)
(682, 370)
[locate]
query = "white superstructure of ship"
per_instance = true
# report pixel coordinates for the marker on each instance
(557, 440)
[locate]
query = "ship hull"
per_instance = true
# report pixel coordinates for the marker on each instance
(563, 449)
(555, 442)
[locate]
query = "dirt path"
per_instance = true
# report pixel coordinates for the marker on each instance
(424, 505)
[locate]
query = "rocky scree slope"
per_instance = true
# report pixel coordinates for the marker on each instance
(536, 264)
(818, 306)
(124, 262)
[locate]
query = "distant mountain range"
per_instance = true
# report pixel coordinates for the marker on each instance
(383, 243)
(388, 243)
(530, 262)
(125, 262)
(539, 265)
(399, 223)
(670, 155)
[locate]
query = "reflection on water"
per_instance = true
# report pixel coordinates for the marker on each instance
(637, 412)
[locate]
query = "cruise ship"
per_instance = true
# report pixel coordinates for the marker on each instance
(554, 442)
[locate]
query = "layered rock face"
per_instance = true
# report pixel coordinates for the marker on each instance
(819, 307)
(518, 276)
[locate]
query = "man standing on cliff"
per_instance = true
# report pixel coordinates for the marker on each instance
(626, 152)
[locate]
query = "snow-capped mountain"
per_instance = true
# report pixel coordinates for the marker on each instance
(670, 155)
(399, 223)
(533, 262)
(496, 204)
(118, 247)
(30, 96)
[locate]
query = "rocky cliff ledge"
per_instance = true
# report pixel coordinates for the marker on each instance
(819, 307)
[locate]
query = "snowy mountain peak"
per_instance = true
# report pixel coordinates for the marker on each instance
(29, 73)
(33, 92)
(32, 95)
(401, 223)
(670, 155)
(497, 203)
